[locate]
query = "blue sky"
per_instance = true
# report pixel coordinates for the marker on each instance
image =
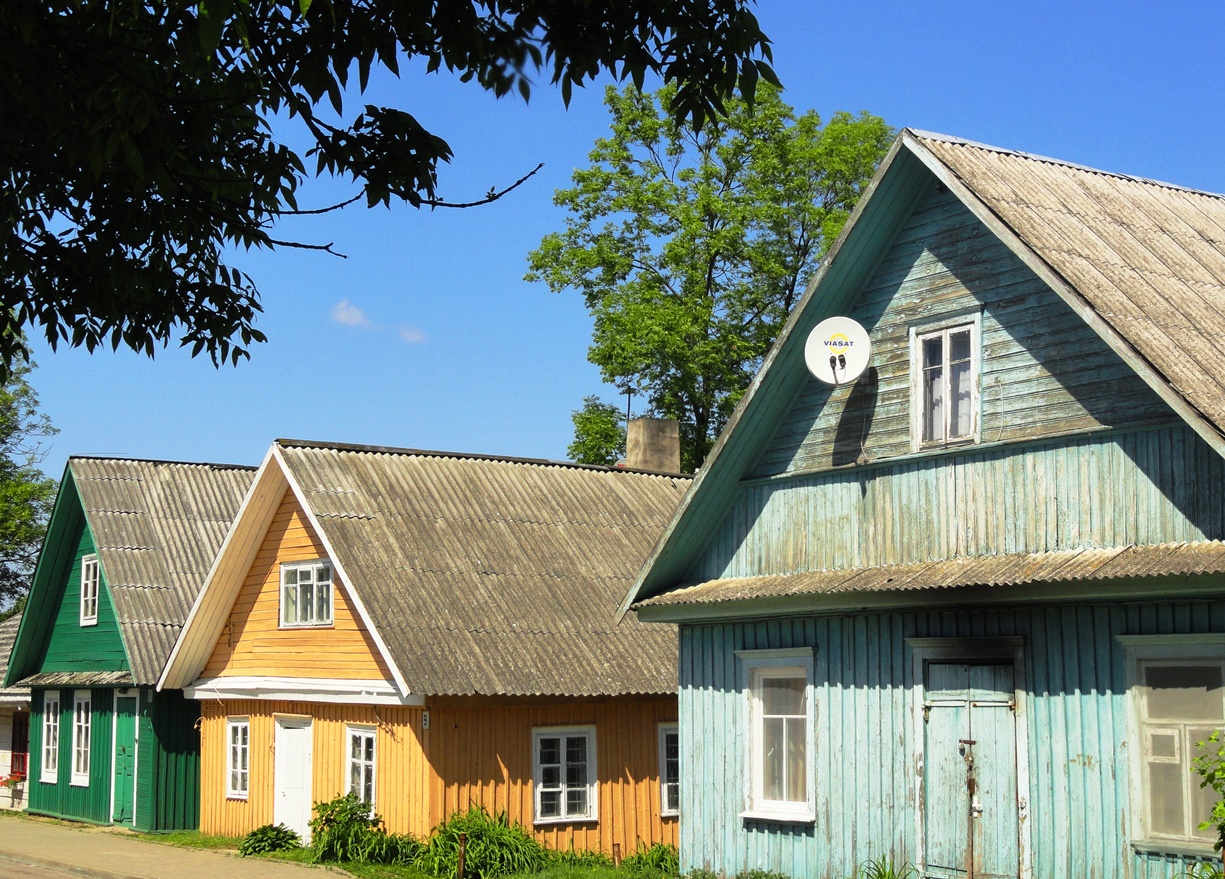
(427, 337)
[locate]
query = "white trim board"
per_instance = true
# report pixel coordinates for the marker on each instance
(301, 690)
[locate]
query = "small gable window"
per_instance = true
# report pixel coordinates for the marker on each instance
(306, 594)
(669, 769)
(89, 591)
(944, 373)
(51, 737)
(564, 772)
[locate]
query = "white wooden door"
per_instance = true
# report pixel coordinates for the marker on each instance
(291, 775)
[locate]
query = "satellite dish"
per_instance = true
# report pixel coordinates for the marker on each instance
(837, 351)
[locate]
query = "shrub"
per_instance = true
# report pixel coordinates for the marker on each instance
(657, 861)
(269, 838)
(1211, 767)
(343, 829)
(495, 847)
(883, 867)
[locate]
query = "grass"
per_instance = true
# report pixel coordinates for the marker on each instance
(192, 839)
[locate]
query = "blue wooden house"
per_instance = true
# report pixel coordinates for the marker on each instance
(967, 611)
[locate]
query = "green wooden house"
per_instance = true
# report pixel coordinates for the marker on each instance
(968, 610)
(127, 549)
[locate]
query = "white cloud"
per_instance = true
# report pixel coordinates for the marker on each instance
(411, 335)
(345, 312)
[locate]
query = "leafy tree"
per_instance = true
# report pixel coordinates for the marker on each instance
(26, 495)
(691, 247)
(135, 142)
(599, 433)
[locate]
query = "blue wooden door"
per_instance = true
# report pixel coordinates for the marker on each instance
(970, 820)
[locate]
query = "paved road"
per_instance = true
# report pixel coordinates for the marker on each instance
(101, 853)
(14, 870)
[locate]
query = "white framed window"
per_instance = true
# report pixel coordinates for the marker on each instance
(89, 590)
(50, 770)
(1177, 689)
(238, 757)
(945, 367)
(779, 735)
(361, 762)
(306, 594)
(564, 774)
(669, 769)
(82, 718)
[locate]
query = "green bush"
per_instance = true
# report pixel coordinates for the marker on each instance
(495, 847)
(343, 829)
(659, 860)
(883, 867)
(269, 838)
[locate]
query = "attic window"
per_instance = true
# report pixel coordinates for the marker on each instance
(89, 590)
(306, 594)
(944, 375)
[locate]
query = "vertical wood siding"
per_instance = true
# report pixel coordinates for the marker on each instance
(251, 643)
(400, 785)
(472, 754)
(1108, 490)
(168, 754)
(73, 647)
(1045, 372)
(90, 802)
(482, 753)
(1080, 788)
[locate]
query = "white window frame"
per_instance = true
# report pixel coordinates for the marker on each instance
(918, 334)
(90, 580)
(234, 764)
(757, 666)
(314, 565)
(49, 772)
(1143, 651)
(593, 803)
(82, 735)
(665, 778)
(363, 734)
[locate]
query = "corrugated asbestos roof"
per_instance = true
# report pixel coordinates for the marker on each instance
(1148, 257)
(8, 634)
(496, 576)
(1014, 569)
(157, 526)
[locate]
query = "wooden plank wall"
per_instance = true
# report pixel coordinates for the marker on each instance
(73, 647)
(1103, 490)
(1044, 372)
(62, 799)
(482, 753)
(400, 786)
(251, 642)
(168, 775)
(473, 753)
(1077, 715)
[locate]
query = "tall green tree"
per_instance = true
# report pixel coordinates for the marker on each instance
(691, 247)
(26, 494)
(135, 137)
(599, 433)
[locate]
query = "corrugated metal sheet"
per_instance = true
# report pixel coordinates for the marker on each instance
(496, 576)
(1148, 257)
(8, 634)
(157, 526)
(1011, 569)
(78, 679)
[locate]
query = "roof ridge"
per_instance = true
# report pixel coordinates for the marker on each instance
(210, 464)
(961, 141)
(362, 448)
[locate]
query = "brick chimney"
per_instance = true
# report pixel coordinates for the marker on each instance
(653, 444)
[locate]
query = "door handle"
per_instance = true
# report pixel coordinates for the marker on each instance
(976, 808)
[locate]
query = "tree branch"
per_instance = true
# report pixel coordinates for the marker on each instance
(491, 197)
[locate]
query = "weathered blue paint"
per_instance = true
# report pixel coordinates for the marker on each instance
(1080, 814)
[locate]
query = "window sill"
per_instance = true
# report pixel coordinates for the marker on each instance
(591, 819)
(88, 623)
(285, 627)
(776, 816)
(1186, 848)
(672, 814)
(44, 780)
(79, 782)
(238, 798)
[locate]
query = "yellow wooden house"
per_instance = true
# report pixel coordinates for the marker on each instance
(433, 631)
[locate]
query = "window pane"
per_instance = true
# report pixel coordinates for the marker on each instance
(796, 760)
(550, 804)
(773, 751)
(576, 774)
(783, 695)
(1163, 745)
(550, 750)
(933, 404)
(672, 797)
(576, 801)
(323, 610)
(1165, 782)
(933, 352)
(1184, 692)
(576, 750)
(959, 346)
(306, 595)
(959, 394)
(550, 776)
(1202, 798)
(369, 741)
(289, 599)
